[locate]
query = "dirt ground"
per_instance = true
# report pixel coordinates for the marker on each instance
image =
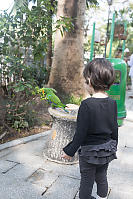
(44, 124)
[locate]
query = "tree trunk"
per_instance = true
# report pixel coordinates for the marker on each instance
(66, 73)
(49, 57)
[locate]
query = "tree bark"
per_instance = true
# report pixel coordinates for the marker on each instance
(66, 73)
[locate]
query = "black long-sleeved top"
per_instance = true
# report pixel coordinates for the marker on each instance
(96, 124)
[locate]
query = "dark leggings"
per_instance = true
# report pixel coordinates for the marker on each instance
(89, 174)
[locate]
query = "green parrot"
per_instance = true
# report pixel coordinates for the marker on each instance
(49, 95)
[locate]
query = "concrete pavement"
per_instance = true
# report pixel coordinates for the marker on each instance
(26, 174)
(129, 105)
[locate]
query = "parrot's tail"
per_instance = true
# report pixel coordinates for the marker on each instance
(63, 106)
(65, 110)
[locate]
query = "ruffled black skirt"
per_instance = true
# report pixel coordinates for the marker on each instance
(99, 154)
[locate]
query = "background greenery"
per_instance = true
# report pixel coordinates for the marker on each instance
(25, 37)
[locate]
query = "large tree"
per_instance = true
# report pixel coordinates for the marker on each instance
(66, 73)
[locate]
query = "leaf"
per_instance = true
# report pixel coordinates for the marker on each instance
(6, 39)
(29, 85)
(16, 124)
(25, 124)
(14, 25)
(61, 32)
(18, 89)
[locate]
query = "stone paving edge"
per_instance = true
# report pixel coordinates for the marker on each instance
(23, 140)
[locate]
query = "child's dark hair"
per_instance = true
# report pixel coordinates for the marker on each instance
(101, 74)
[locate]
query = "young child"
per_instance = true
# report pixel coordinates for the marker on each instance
(97, 130)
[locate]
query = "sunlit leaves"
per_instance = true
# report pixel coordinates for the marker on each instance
(64, 24)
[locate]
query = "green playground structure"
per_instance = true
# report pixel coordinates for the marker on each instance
(118, 89)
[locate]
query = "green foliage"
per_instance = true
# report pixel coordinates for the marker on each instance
(128, 77)
(64, 24)
(98, 48)
(91, 3)
(126, 14)
(73, 100)
(24, 39)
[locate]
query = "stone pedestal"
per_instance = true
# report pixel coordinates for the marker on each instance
(62, 133)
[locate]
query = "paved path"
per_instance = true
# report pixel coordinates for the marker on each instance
(26, 174)
(129, 105)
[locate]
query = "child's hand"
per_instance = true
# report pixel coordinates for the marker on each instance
(66, 157)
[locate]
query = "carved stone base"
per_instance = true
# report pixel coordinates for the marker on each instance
(63, 130)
